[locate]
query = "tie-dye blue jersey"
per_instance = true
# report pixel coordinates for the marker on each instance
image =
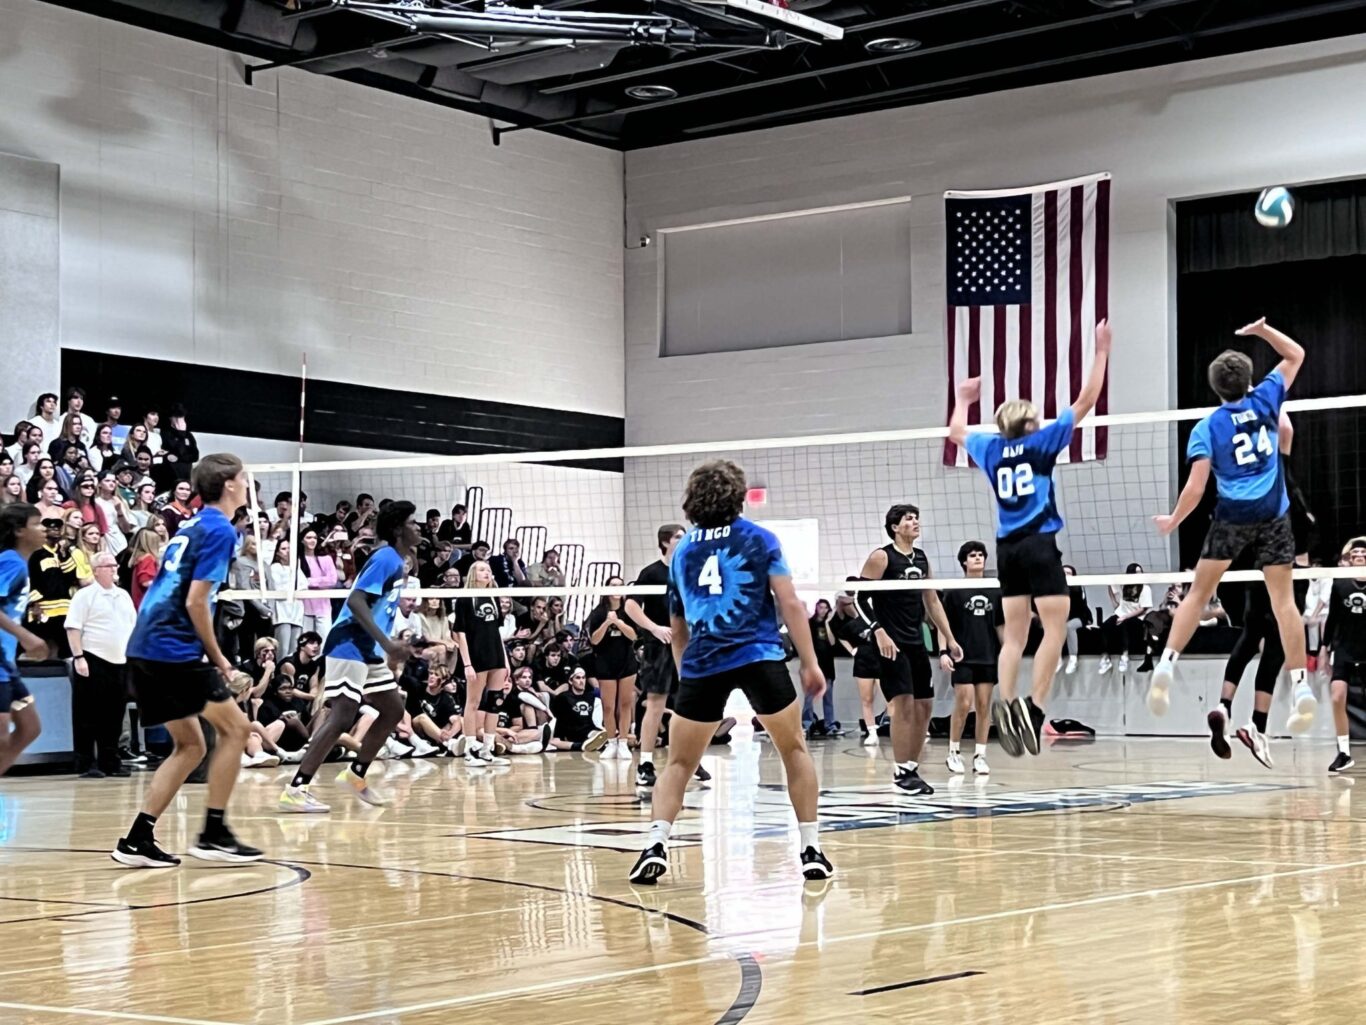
(718, 583)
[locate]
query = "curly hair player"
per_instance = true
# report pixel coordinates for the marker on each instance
(728, 583)
(1019, 463)
(1238, 442)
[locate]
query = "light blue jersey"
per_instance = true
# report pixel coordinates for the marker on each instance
(718, 583)
(1240, 441)
(201, 550)
(380, 582)
(14, 592)
(1021, 475)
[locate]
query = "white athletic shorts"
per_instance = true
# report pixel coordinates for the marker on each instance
(356, 680)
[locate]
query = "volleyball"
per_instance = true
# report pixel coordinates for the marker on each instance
(1275, 207)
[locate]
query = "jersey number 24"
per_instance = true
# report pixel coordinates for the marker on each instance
(1014, 481)
(1243, 449)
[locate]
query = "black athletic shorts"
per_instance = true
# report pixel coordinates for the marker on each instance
(658, 671)
(767, 685)
(1272, 542)
(615, 665)
(167, 691)
(14, 693)
(974, 672)
(867, 662)
(908, 673)
(1353, 673)
(1030, 566)
(487, 654)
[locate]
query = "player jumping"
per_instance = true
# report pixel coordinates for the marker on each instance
(1019, 463)
(1238, 441)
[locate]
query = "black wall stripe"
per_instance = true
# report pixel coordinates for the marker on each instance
(220, 400)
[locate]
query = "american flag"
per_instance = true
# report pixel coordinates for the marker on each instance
(1028, 278)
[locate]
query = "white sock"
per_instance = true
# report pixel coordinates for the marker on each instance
(659, 832)
(647, 758)
(810, 834)
(1170, 655)
(908, 766)
(1297, 677)
(953, 746)
(1345, 745)
(981, 750)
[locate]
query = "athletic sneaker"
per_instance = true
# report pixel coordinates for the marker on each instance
(1007, 733)
(955, 763)
(909, 781)
(422, 749)
(701, 775)
(722, 734)
(145, 854)
(1071, 665)
(1104, 666)
(1028, 723)
(870, 740)
(1218, 725)
(815, 865)
(652, 863)
(547, 735)
(363, 789)
(1159, 692)
(1123, 666)
(266, 760)
(1147, 666)
(224, 847)
(980, 766)
(596, 742)
(301, 800)
(293, 757)
(1341, 763)
(1304, 705)
(484, 754)
(645, 775)
(1256, 742)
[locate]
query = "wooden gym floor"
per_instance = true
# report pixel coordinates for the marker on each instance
(1113, 882)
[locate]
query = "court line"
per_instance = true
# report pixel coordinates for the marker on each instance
(86, 1012)
(589, 980)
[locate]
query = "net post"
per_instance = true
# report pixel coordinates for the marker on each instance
(255, 508)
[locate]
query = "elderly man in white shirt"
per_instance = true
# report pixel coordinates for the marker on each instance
(98, 627)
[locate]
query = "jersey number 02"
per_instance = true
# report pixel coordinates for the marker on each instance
(1013, 481)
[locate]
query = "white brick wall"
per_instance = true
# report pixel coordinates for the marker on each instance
(1203, 128)
(387, 238)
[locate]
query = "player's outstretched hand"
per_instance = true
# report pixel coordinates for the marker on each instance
(970, 390)
(1255, 328)
(1165, 524)
(813, 680)
(1104, 336)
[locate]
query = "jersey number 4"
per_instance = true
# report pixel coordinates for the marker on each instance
(1014, 481)
(710, 577)
(1243, 449)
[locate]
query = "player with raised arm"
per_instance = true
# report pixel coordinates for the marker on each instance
(1238, 444)
(362, 664)
(728, 585)
(1019, 464)
(21, 534)
(178, 673)
(894, 617)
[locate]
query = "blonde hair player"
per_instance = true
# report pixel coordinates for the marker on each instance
(1019, 463)
(1238, 442)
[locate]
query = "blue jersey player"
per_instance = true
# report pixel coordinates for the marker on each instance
(362, 663)
(1019, 464)
(178, 673)
(728, 584)
(21, 534)
(1239, 444)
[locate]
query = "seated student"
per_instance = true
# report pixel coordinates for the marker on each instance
(1124, 633)
(554, 666)
(434, 709)
(572, 706)
(533, 699)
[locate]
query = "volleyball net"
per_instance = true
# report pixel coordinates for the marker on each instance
(824, 496)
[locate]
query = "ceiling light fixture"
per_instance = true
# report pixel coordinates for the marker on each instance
(892, 44)
(651, 92)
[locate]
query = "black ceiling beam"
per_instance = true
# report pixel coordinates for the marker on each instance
(250, 70)
(962, 44)
(833, 107)
(869, 26)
